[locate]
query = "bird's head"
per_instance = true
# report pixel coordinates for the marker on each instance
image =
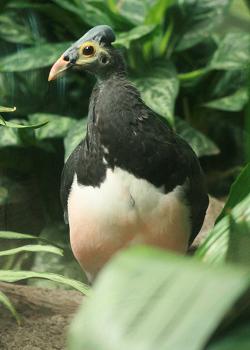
(93, 52)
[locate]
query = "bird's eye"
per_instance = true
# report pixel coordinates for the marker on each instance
(88, 50)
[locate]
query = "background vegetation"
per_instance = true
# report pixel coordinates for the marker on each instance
(190, 60)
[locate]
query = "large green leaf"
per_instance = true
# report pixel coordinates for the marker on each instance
(196, 19)
(233, 52)
(159, 87)
(238, 191)
(216, 247)
(148, 299)
(237, 338)
(7, 303)
(232, 103)
(75, 135)
(135, 11)
(12, 31)
(126, 38)
(32, 248)
(14, 276)
(89, 13)
(200, 143)
(57, 126)
(32, 58)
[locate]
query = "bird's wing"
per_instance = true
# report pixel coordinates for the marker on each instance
(67, 178)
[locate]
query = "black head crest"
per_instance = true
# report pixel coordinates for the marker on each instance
(101, 34)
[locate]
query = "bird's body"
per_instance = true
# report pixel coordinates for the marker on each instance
(131, 180)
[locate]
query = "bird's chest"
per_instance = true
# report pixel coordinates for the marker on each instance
(124, 210)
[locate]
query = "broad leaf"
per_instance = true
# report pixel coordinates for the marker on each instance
(89, 13)
(32, 58)
(196, 19)
(233, 52)
(126, 38)
(12, 31)
(200, 143)
(233, 103)
(159, 88)
(236, 338)
(134, 11)
(75, 135)
(32, 248)
(57, 125)
(9, 137)
(215, 247)
(238, 191)
(148, 299)
(7, 303)
(14, 276)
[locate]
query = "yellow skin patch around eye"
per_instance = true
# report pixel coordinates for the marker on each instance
(89, 58)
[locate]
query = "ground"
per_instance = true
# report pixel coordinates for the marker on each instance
(45, 316)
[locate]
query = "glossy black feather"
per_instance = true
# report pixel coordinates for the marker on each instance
(137, 141)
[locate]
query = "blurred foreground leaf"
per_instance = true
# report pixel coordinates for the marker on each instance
(149, 299)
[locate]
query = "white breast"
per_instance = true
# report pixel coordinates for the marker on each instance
(124, 210)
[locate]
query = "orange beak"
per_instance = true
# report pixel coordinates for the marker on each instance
(60, 66)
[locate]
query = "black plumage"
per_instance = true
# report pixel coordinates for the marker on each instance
(124, 133)
(138, 141)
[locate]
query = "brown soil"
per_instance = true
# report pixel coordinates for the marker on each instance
(45, 316)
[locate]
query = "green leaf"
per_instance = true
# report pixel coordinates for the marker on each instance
(159, 88)
(195, 20)
(14, 276)
(7, 303)
(233, 103)
(75, 135)
(32, 58)
(7, 109)
(239, 242)
(215, 247)
(233, 52)
(134, 11)
(21, 126)
(237, 338)
(9, 137)
(126, 38)
(157, 12)
(16, 235)
(11, 30)
(238, 191)
(149, 299)
(57, 126)
(32, 248)
(200, 143)
(89, 13)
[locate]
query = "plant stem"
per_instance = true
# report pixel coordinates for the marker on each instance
(193, 75)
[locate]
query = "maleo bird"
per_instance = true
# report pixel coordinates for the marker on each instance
(131, 180)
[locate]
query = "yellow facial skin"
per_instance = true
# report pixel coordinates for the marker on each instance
(88, 52)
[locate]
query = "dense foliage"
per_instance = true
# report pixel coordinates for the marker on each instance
(189, 59)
